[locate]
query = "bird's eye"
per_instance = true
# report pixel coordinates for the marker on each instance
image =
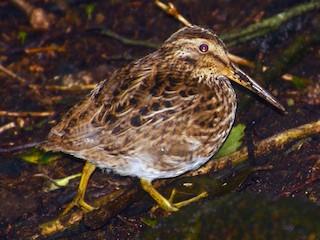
(203, 48)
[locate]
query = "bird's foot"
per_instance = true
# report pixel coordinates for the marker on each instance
(167, 204)
(79, 202)
(171, 207)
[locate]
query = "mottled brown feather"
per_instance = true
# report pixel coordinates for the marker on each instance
(164, 114)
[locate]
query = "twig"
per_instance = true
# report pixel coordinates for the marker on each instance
(22, 82)
(26, 114)
(171, 10)
(52, 48)
(7, 127)
(20, 147)
(64, 87)
(11, 74)
(128, 41)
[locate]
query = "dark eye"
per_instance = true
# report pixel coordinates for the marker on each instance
(203, 48)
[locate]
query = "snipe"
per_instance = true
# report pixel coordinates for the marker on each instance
(158, 117)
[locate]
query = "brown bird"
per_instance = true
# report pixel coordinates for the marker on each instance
(158, 117)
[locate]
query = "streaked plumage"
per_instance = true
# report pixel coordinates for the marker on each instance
(160, 116)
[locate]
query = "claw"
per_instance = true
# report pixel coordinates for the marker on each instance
(166, 204)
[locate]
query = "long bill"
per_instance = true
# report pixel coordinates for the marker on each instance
(238, 76)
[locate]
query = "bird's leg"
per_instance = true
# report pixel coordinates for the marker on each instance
(161, 200)
(78, 200)
(164, 203)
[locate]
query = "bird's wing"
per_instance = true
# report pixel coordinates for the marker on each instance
(134, 101)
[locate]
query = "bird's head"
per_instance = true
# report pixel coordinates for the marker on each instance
(203, 51)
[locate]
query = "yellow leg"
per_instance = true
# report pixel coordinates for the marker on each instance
(164, 203)
(78, 200)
